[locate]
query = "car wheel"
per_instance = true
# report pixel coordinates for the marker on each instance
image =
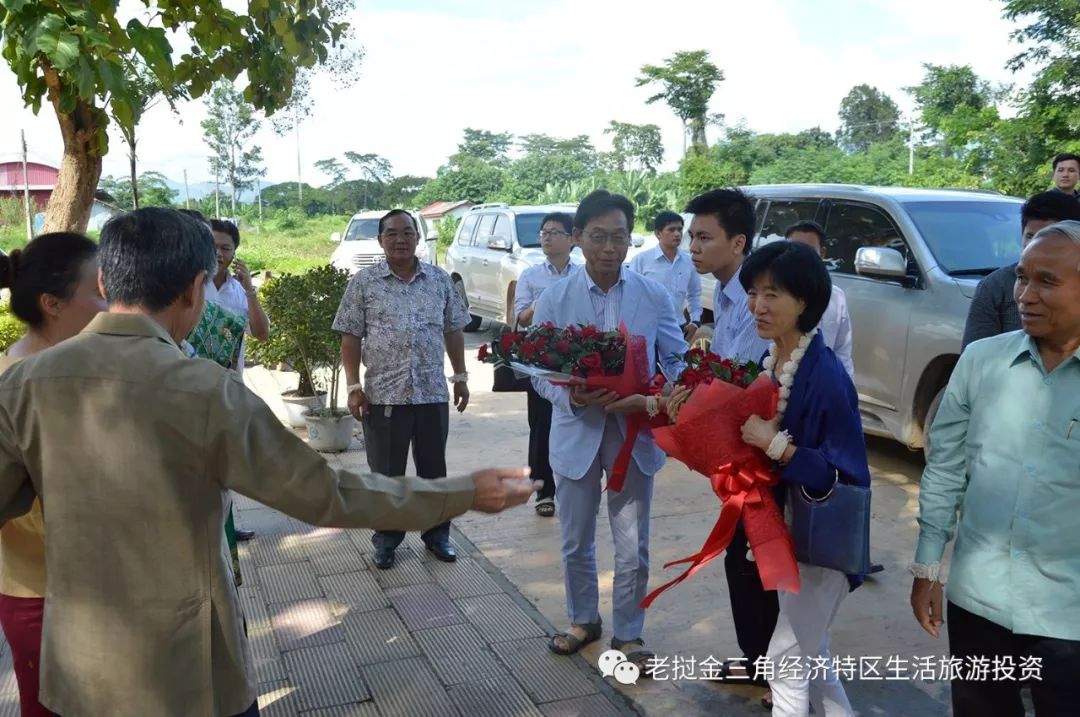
(931, 414)
(474, 320)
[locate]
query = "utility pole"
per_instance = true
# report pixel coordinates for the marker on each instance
(187, 195)
(299, 182)
(26, 190)
(217, 196)
(258, 192)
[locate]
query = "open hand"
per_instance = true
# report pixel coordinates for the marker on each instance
(927, 600)
(496, 489)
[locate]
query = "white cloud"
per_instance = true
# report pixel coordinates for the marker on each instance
(565, 69)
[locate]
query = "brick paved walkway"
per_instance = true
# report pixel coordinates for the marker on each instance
(333, 636)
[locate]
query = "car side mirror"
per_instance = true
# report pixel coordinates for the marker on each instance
(881, 262)
(335, 237)
(498, 243)
(637, 240)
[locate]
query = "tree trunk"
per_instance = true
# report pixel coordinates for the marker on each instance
(72, 198)
(697, 136)
(134, 178)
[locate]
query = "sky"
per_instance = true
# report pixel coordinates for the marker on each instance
(565, 68)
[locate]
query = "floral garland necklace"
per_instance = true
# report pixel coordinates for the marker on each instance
(788, 370)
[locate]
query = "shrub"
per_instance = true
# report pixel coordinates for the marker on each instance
(11, 329)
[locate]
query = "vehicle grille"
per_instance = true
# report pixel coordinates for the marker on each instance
(362, 260)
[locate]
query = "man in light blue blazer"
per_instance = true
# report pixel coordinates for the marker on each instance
(588, 427)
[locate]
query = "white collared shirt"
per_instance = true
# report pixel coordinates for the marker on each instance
(535, 279)
(835, 329)
(677, 275)
(232, 297)
(735, 333)
(606, 304)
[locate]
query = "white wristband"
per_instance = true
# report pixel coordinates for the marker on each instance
(932, 572)
(652, 406)
(354, 387)
(779, 444)
(459, 378)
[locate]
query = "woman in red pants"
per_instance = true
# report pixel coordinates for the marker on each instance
(54, 291)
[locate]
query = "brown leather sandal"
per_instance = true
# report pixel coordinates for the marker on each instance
(572, 643)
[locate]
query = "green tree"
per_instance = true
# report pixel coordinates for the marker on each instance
(688, 81)
(401, 191)
(73, 55)
(946, 90)
(464, 177)
(635, 146)
(375, 170)
(152, 187)
(867, 115)
(146, 92)
(337, 173)
(229, 126)
(548, 160)
(485, 146)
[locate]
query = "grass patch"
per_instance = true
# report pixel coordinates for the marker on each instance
(291, 245)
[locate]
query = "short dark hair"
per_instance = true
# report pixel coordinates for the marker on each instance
(809, 225)
(599, 203)
(226, 227)
(194, 214)
(397, 213)
(1049, 206)
(1065, 157)
(151, 255)
(665, 218)
(798, 270)
(50, 264)
(567, 220)
(732, 208)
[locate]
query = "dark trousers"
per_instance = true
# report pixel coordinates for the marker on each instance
(389, 432)
(539, 443)
(753, 609)
(1056, 694)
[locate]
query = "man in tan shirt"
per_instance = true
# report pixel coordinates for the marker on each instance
(130, 446)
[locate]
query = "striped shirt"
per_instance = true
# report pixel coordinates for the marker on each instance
(607, 305)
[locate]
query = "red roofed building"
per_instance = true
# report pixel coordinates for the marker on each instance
(437, 210)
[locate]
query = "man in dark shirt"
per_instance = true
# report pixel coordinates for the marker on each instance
(1067, 173)
(993, 310)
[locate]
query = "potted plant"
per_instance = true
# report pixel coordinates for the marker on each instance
(330, 428)
(287, 300)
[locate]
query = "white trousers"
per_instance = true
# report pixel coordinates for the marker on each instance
(799, 649)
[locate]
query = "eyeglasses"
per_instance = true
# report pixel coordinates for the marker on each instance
(553, 234)
(616, 239)
(407, 234)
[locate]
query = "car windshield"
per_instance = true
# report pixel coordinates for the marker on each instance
(969, 238)
(362, 229)
(528, 228)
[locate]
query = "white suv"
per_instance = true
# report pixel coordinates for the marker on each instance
(360, 248)
(494, 244)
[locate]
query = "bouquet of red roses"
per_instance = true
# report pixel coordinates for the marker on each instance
(707, 437)
(582, 356)
(580, 352)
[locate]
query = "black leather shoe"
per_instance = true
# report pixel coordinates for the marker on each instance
(876, 568)
(443, 551)
(244, 535)
(383, 558)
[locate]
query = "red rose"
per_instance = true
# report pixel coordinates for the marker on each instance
(588, 332)
(483, 355)
(549, 360)
(528, 350)
(508, 340)
(562, 346)
(592, 363)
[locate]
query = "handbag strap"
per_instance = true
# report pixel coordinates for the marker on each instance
(807, 497)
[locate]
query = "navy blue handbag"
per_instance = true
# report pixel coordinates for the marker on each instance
(832, 531)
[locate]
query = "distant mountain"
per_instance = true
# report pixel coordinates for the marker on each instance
(198, 190)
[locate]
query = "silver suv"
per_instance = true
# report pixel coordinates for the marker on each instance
(909, 261)
(494, 244)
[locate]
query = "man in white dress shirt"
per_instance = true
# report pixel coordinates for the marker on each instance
(235, 291)
(835, 324)
(672, 268)
(556, 231)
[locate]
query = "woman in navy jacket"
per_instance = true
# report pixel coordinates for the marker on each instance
(817, 440)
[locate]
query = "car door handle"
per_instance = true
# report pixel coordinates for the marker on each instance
(485, 262)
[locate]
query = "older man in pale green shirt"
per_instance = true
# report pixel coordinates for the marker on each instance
(1005, 465)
